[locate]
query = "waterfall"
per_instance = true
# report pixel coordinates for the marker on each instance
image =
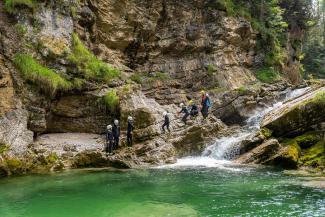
(224, 149)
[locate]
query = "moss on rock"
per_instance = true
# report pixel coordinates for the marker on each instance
(267, 133)
(89, 159)
(313, 156)
(307, 140)
(288, 157)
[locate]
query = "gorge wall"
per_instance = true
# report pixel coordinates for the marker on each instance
(54, 56)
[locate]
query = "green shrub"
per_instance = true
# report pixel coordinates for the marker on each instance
(211, 69)
(112, 100)
(89, 64)
(11, 5)
(43, 77)
(267, 74)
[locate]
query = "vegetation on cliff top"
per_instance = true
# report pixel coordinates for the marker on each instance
(87, 63)
(43, 77)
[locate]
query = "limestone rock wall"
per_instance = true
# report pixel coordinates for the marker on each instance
(181, 38)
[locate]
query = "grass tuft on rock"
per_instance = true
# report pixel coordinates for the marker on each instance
(112, 100)
(45, 78)
(87, 63)
(12, 5)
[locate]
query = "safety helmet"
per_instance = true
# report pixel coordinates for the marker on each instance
(165, 113)
(116, 122)
(181, 105)
(202, 92)
(109, 127)
(130, 118)
(207, 94)
(190, 102)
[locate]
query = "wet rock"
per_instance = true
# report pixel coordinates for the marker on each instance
(261, 154)
(298, 115)
(251, 142)
(287, 157)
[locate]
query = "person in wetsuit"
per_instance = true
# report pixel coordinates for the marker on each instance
(116, 134)
(129, 131)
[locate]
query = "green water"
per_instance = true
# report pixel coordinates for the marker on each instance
(160, 192)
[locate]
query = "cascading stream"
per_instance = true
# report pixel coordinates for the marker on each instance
(226, 148)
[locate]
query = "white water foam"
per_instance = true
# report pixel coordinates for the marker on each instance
(206, 162)
(220, 153)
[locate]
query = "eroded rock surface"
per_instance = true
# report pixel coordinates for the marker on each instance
(298, 115)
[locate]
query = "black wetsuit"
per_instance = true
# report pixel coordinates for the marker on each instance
(186, 114)
(109, 142)
(166, 123)
(129, 133)
(116, 136)
(194, 110)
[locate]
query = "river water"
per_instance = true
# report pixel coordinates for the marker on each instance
(209, 185)
(177, 192)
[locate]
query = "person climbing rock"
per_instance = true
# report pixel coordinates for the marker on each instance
(116, 134)
(166, 122)
(194, 110)
(205, 104)
(185, 112)
(109, 140)
(129, 131)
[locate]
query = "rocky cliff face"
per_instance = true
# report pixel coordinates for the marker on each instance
(175, 47)
(179, 38)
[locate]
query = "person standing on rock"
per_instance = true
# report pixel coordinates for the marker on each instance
(116, 134)
(166, 122)
(205, 104)
(109, 140)
(129, 131)
(185, 112)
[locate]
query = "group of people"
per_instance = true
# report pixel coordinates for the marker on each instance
(191, 109)
(113, 135)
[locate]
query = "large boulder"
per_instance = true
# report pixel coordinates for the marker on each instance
(298, 115)
(261, 154)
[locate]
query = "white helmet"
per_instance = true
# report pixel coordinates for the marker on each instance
(116, 122)
(181, 105)
(130, 118)
(109, 127)
(207, 94)
(165, 113)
